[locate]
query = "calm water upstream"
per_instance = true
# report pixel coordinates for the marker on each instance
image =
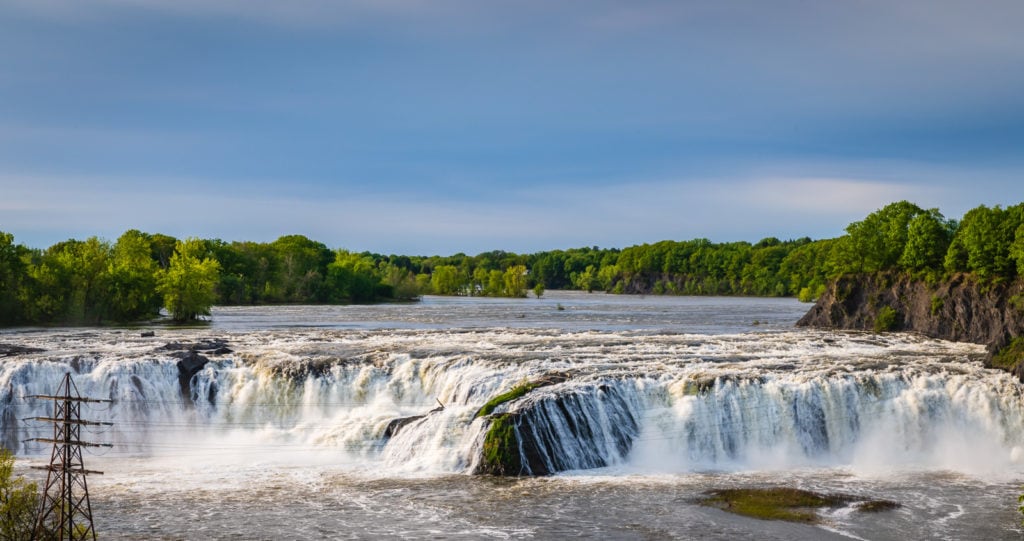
(283, 436)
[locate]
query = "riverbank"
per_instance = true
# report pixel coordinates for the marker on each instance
(960, 308)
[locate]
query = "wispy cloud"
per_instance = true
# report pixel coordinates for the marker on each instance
(817, 195)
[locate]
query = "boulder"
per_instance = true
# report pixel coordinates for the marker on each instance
(399, 423)
(189, 365)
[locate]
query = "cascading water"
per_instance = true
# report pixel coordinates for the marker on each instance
(362, 422)
(644, 402)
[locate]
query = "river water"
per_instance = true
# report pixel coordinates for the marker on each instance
(283, 436)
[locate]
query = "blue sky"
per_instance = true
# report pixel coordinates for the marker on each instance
(434, 127)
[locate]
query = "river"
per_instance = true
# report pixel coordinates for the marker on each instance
(282, 434)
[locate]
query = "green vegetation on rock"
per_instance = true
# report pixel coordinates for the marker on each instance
(550, 378)
(501, 447)
(1009, 356)
(512, 394)
(887, 320)
(788, 504)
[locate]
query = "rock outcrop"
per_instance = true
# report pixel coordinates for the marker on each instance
(580, 428)
(399, 423)
(190, 362)
(961, 309)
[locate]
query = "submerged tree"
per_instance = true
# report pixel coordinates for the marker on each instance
(189, 285)
(514, 281)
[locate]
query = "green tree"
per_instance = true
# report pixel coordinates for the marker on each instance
(609, 277)
(352, 278)
(928, 238)
(1017, 249)
(495, 283)
(549, 269)
(877, 242)
(446, 280)
(587, 280)
(189, 284)
(13, 276)
(69, 282)
(478, 285)
(514, 281)
(131, 288)
(402, 281)
(302, 265)
(248, 271)
(19, 500)
(162, 248)
(983, 241)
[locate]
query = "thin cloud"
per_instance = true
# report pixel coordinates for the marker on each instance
(817, 195)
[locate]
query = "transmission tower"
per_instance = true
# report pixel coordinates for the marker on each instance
(64, 511)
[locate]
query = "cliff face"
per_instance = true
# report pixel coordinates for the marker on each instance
(959, 309)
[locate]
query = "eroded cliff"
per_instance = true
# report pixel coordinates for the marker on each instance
(960, 308)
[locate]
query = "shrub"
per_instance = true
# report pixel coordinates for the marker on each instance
(887, 319)
(18, 501)
(1010, 355)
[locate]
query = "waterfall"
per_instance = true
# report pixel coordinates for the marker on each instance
(406, 402)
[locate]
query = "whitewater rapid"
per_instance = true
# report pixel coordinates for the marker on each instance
(635, 401)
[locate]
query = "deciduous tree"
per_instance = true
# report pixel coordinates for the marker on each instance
(189, 284)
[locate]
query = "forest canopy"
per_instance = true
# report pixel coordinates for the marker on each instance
(94, 281)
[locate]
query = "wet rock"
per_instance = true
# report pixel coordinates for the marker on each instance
(401, 422)
(960, 309)
(397, 424)
(147, 334)
(10, 350)
(558, 433)
(215, 346)
(551, 378)
(189, 365)
(309, 368)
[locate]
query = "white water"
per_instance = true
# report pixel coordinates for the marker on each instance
(726, 402)
(655, 400)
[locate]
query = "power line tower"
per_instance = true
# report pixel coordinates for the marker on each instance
(64, 511)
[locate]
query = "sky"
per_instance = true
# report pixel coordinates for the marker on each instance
(442, 126)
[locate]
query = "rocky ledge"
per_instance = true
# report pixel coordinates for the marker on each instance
(960, 308)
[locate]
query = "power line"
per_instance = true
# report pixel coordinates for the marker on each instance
(717, 427)
(64, 510)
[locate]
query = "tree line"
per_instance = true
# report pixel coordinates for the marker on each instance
(94, 281)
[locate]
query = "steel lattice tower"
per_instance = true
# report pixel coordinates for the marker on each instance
(64, 510)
